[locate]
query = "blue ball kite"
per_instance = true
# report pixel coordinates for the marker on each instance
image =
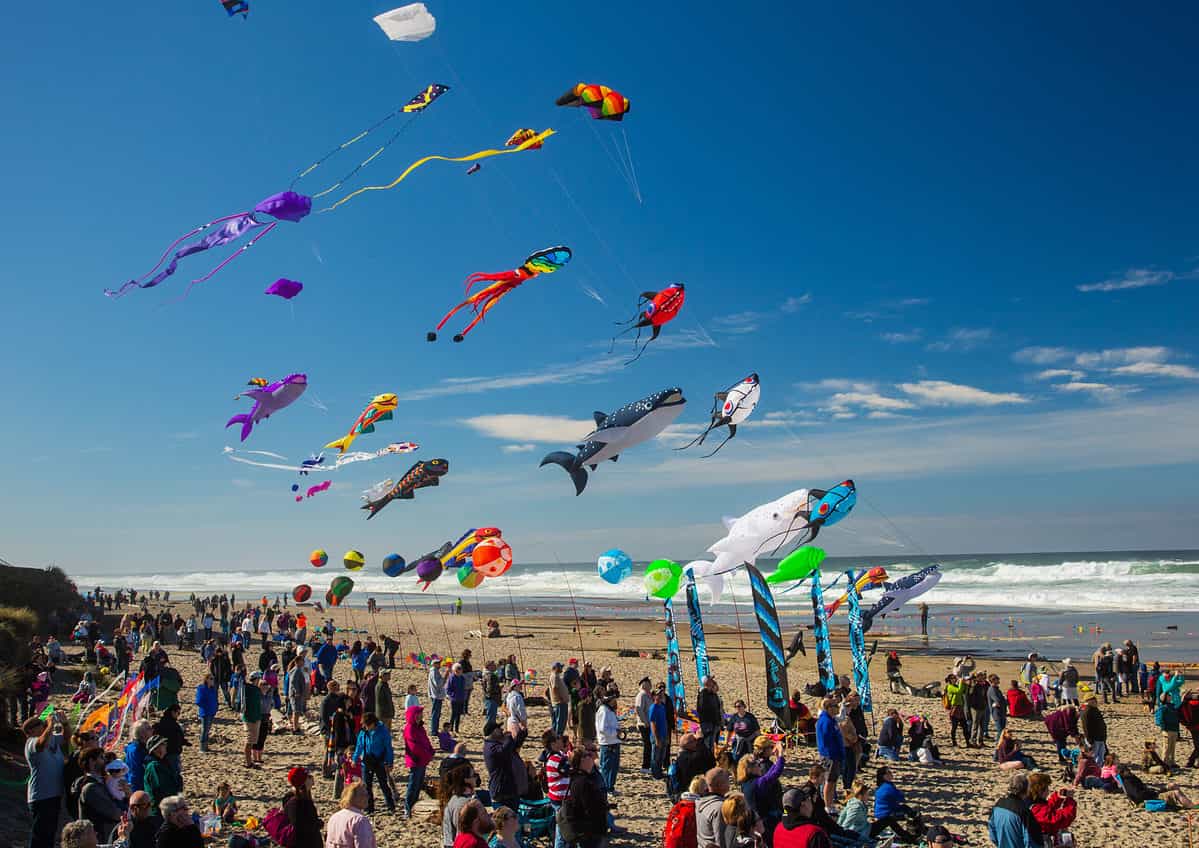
(614, 565)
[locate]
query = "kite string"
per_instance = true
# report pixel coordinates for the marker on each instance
(448, 644)
(574, 609)
(515, 626)
(482, 634)
(741, 639)
(411, 621)
(632, 167)
(370, 158)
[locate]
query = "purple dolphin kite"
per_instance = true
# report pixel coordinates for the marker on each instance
(285, 288)
(268, 400)
(284, 206)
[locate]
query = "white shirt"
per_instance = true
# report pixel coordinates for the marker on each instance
(516, 706)
(607, 725)
(247, 625)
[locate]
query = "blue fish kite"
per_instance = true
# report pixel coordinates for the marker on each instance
(827, 508)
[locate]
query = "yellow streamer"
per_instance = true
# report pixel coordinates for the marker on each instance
(482, 154)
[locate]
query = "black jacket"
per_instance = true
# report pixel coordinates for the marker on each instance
(301, 813)
(1093, 725)
(501, 754)
(707, 707)
(692, 763)
(586, 805)
(179, 837)
(168, 728)
(97, 806)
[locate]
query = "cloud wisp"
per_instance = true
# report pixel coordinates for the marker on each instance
(1137, 278)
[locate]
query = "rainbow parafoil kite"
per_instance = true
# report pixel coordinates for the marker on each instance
(602, 102)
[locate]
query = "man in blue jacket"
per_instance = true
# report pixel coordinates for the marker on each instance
(830, 745)
(326, 658)
(1011, 824)
(374, 752)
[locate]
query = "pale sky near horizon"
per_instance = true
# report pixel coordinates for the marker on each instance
(958, 245)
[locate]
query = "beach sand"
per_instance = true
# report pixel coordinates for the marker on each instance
(959, 793)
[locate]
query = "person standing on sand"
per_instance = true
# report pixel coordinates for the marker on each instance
(710, 711)
(558, 694)
(251, 716)
(831, 748)
(45, 754)
(607, 726)
(923, 619)
(1094, 728)
(300, 810)
(437, 681)
(349, 827)
(385, 705)
(418, 753)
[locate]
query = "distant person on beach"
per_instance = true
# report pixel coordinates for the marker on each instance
(923, 618)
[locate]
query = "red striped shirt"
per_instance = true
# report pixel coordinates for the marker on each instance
(557, 776)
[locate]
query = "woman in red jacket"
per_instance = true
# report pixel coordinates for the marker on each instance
(1018, 704)
(1054, 813)
(418, 753)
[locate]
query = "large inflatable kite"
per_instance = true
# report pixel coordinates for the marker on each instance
(268, 400)
(407, 23)
(379, 409)
(654, 309)
(730, 408)
(542, 262)
(427, 472)
(900, 592)
(628, 426)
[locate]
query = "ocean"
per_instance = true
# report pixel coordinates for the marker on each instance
(1000, 605)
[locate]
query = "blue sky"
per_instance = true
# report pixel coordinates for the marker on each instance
(958, 245)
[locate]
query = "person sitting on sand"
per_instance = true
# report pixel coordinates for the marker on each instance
(855, 815)
(225, 803)
(1019, 705)
(1054, 813)
(890, 736)
(1151, 762)
(1011, 823)
(445, 739)
(1176, 799)
(890, 808)
(1008, 753)
(920, 741)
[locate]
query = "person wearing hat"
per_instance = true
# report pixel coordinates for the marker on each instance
(45, 754)
(607, 727)
(571, 675)
(385, 705)
(1068, 680)
(251, 715)
(492, 692)
(515, 702)
(558, 694)
(161, 778)
(437, 691)
(797, 830)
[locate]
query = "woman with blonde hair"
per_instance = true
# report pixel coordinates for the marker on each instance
(855, 815)
(744, 828)
(506, 824)
(349, 827)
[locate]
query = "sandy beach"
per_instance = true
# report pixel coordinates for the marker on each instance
(958, 793)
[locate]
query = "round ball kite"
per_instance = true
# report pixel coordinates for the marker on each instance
(492, 557)
(428, 570)
(468, 578)
(353, 560)
(338, 590)
(302, 593)
(662, 578)
(614, 565)
(318, 558)
(393, 565)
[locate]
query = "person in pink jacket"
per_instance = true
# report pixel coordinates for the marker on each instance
(418, 753)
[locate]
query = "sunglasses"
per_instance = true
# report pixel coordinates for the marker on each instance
(141, 804)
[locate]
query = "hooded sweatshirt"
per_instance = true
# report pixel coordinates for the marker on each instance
(418, 750)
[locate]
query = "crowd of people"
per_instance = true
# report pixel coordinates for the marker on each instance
(731, 780)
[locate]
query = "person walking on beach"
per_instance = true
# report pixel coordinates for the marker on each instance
(418, 753)
(373, 751)
(206, 707)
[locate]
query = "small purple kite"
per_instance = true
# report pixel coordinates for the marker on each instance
(284, 206)
(268, 400)
(285, 288)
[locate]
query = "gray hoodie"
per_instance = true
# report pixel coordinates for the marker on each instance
(709, 824)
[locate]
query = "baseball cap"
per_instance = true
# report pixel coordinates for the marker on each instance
(297, 776)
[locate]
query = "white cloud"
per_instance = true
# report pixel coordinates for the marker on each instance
(530, 428)
(838, 384)
(1057, 373)
(525, 448)
(1121, 356)
(902, 338)
(738, 323)
(574, 372)
(840, 401)
(961, 339)
(1099, 391)
(1042, 355)
(1133, 278)
(792, 304)
(879, 415)
(943, 393)
(1159, 369)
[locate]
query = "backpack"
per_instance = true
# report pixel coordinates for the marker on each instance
(680, 826)
(1189, 711)
(278, 828)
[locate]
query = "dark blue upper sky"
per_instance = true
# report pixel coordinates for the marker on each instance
(958, 244)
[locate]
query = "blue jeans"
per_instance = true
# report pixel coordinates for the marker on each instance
(558, 841)
(657, 755)
(490, 710)
(888, 753)
(1000, 718)
(435, 717)
(849, 767)
(1099, 750)
(416, 780)
(205, 724)
(558, 718)
(609, 763)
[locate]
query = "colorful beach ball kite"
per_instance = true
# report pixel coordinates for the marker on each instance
(662, 578)
(353, 560)
(318, 558)
(393, 565)
(302, 593)
(492, 557)
(468, 577)
(614, 565)
(339, 589)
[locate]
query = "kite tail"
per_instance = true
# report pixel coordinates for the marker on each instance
(231, 257)
(140, 280)
(718, 447)
(342, 443)
(501, 277)
(578, 474)
(246, 422)
(698, 440)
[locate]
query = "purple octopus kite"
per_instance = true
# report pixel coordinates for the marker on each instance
(268, 400)
(284, 206)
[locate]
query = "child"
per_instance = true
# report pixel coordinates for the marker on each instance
(445, 739)
(1151, 762)
(86, 691)
(1038, 696)
(116, 783)
(413, 700)
(225, 804)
